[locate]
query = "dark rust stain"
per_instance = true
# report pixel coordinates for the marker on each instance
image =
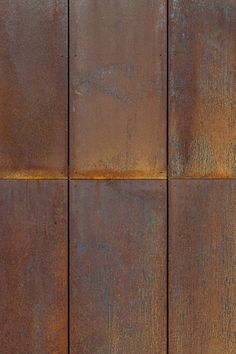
(33, 267)
(118, 266)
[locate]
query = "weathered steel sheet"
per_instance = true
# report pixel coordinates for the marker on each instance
(33, 267)
(118, 267)
(202, 267)
(202, 90)
(118, 89)
(33, 89)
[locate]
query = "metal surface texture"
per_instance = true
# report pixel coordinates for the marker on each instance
(118, 89)
(33, 89)
(118, 267)
(33, 267)
(202, 95)
(202, 267)
(109, 252)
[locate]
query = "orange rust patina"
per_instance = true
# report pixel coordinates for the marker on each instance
(33, 248)
(33, 89)
(118, 267)
(202, 89)
(118, 89)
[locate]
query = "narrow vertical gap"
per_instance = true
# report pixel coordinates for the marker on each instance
(68, 264)
(167, 172)
(167, 266)
(68, 171)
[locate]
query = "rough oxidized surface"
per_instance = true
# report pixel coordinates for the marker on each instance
(202, 267)
(118, 267)
(33, 89)
(118, 89)
(33, 267)
(202, 95)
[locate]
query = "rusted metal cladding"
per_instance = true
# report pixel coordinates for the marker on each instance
(33, 89)
(118, 267)
(118, 89)
(33, 267)
(202, 267)
(202, 91)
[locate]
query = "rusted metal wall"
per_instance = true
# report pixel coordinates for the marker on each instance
(118, 267)
(118, 89)
(132, 289)
(202, 271)
(33, 145)
(33, 89)
(202, 95)
(33, 267)
(202, 203)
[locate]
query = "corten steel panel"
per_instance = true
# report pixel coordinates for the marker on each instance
(202, 91)
(118, 89)
(202, 267)
(33, 89)
(33, 267)
(118, 267)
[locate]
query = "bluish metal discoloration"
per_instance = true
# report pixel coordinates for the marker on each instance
(106, 80)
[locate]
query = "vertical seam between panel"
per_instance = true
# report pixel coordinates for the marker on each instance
(167, 173)
(68, 172)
